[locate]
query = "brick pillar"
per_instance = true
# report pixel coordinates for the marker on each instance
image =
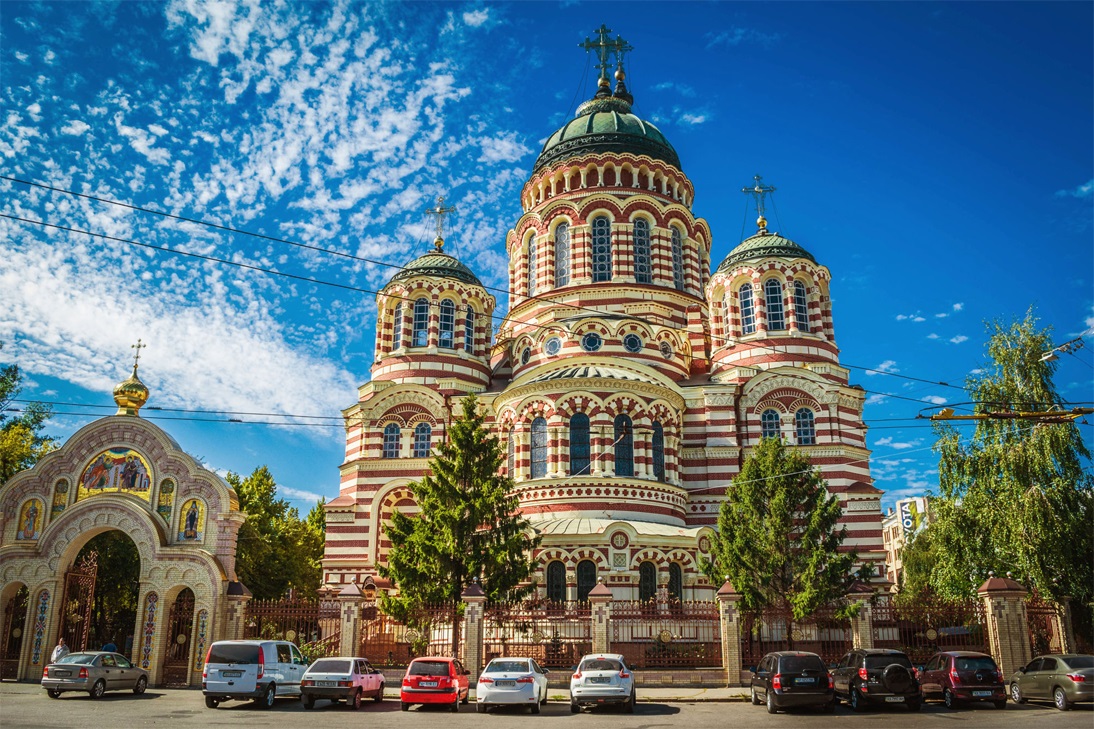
(474, 599)
(235, 613)
(1064, 627)
(1007, 623)
(862, 625)
(730, 619)
(350, 599)
(600, 597)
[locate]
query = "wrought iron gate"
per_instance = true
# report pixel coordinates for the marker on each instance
(15, 619)
(77, 602)
(180, 624)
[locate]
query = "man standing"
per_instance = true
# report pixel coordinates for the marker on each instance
(59, 652)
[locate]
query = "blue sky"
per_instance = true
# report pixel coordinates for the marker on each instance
(937, 157)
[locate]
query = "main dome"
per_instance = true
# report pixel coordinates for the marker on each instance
(606, 125)
(764, 245)
(439, 265)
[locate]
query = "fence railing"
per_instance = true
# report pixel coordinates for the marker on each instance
(668, 634)
(555, 634)
(775, 629)
(1041, 619)
(929, 626)
(296, 619)
(386, 641)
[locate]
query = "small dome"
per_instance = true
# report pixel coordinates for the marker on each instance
(130, 394)
(606, 125)
(764, 245)
(440, 265)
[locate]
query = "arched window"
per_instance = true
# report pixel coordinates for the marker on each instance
(586, 579)
(647, 581)
(602, 249)
(539, 448)
(469, 331)
(803, 423)
(677, 260)
(676, 581)
(421, 323)
(642, 273)
(562, 254)
(532, 266)
(748, 310)
(512, 453)
(769, 424)
(658, 451)
(773, 294)
(422, 434)
(801, 307)
(391, 440)
(624, 446)
(397, 327)
(448, 324)
(579, 445)
(556, 581)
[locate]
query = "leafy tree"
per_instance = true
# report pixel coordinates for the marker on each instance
(467, 527)
(777, 539)
(21, 439)
(1016, 495)
(277, 550)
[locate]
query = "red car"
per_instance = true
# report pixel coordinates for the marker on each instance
(958, 677)
(434, 680)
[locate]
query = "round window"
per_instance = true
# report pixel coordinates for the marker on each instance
(632, 343)
(553, 346)
(526, 355)
(666, 350)
(591, 342)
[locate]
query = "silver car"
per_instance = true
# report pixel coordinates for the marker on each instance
(95, 672)
(1062, 679)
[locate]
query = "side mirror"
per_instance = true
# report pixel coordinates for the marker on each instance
(546, 671)
(466, 672)
(1022, 669)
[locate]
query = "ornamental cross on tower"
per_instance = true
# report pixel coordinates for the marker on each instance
(758, 192)
(440, 211)
(137, 355)
(605, 47)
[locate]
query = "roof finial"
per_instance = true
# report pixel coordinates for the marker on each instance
(137, 355)
(758, 192)
(622, 48)
(440, 211)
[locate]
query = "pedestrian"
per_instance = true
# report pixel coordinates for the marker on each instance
(110, 647)
(59, 652)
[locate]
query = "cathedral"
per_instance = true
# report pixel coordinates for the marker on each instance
(629, 379)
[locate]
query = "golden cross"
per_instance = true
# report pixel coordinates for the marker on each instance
(440, 211)
(137, 355)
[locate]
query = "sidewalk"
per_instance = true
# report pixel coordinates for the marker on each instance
(678, 695)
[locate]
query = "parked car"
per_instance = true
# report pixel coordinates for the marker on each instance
(786, 679)
(435, 680)
(958, 677)
(877, 676)
(512, 681)
(337, 679)
(602, 678)
(95, 672)
(1063, 679)
(251, 669)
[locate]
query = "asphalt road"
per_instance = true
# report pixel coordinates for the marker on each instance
(26, 705)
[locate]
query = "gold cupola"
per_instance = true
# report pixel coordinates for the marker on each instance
(131, 394)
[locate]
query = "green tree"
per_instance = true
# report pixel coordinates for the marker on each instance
(277, 550)
(21, 439)
(467, 527)
(1015, 495)
(777, 538)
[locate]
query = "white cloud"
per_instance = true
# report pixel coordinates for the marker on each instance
(885, 367)
(943, 315)
(976, 371)
(475, 18)
(876, 399)
(897, 445)
(502, 148)
(682, 89)
(736, 36)
(959, 339)
(916, 317)
(75, 128)
(958, 306)
(935, 400)
(299, 494)
(932, 335)
(692, 119)
(1082, 191)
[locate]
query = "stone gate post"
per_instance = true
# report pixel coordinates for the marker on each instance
(730, 624)
(1007, 623)
(600, 598)
(350, 598)
(862, 625)
(475, 600)
(1064, 627)
(234, 625)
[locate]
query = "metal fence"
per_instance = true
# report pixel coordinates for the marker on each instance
(775, 629)
(555, 634)
(1041, 619)
(389, 642)
(929, 626)
(300, 620)
(668, 634)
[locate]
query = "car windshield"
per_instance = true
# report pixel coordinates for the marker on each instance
(428, 668)
(328, 665)
(887, 659)
(233, 653)
(973, 663)
(1079, 662)
(601, 664)
(83, 659)
(507, 666)
(798, 664)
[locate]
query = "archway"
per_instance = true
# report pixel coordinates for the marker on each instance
(15, 618)
(180, 625)
(101, 593)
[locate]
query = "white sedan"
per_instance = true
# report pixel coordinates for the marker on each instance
(512, 682)
(602, 678)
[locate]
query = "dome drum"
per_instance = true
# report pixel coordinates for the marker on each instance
(623, 498)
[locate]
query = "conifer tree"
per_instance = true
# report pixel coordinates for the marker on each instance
(777, 538)
(466, 528)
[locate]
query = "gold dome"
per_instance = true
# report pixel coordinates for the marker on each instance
(130, 395)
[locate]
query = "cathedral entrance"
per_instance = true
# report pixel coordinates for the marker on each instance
(76, 604)
(180, 623)
(15, 618)
(99, 604)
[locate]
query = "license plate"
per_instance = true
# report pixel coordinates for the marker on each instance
(327, 684)
(805, 680)
(427, 684)
(62, 673)
(981, 693)
(231, 674)
(894, 699)
(505, 684)
(599, 679)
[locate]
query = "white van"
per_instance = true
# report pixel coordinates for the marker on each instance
(251, 669)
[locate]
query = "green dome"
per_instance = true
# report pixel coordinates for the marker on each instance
(439, 265)
(764, 245)
(606, 125)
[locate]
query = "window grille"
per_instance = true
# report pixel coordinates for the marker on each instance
(658, 451)
(769, 424)
(531, 266)
(801, 307)
(448, 324)
(677, 260)
(422, 434)
(539, 448)
(602, 249)
(624, 446)
(579, 444)
(642, 273)
(803, 422)
(421, 323)
(391, 441)
(773, 292)
(469, 331)
(397, 327)
(556, 581)
(748, 310)
(562, 254)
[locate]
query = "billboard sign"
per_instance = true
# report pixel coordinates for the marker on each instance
(913, 515)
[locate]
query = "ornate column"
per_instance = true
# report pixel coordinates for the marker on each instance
(600, 598)
(729, 619)
(1006, 622)
(350, 599)
(475, 599)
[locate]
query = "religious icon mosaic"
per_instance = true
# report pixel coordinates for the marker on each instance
(31, 517)
(166, 500)
(60, 498)
(192, 521)
(149, 635)
(203, 630)
(40, 618)
(116, 470)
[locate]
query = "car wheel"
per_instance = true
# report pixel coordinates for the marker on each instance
(574, 708)
(629, 706)
(404, 706)
(53, 693)
(481, 708)
(1060, 699)
(98, 689)
(379, 694)
(1016, 694)
(211, 702)
(544, 702)
(855, 701)
(307, 701)
(356, 701)
(771, 708)
(949, 699)
(267, 700)
(466, 696)
(1000, 704)
(142, 684)
(755, 698)
(535, 707)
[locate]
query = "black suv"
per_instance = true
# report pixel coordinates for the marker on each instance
(877, 676)
(792, 678)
